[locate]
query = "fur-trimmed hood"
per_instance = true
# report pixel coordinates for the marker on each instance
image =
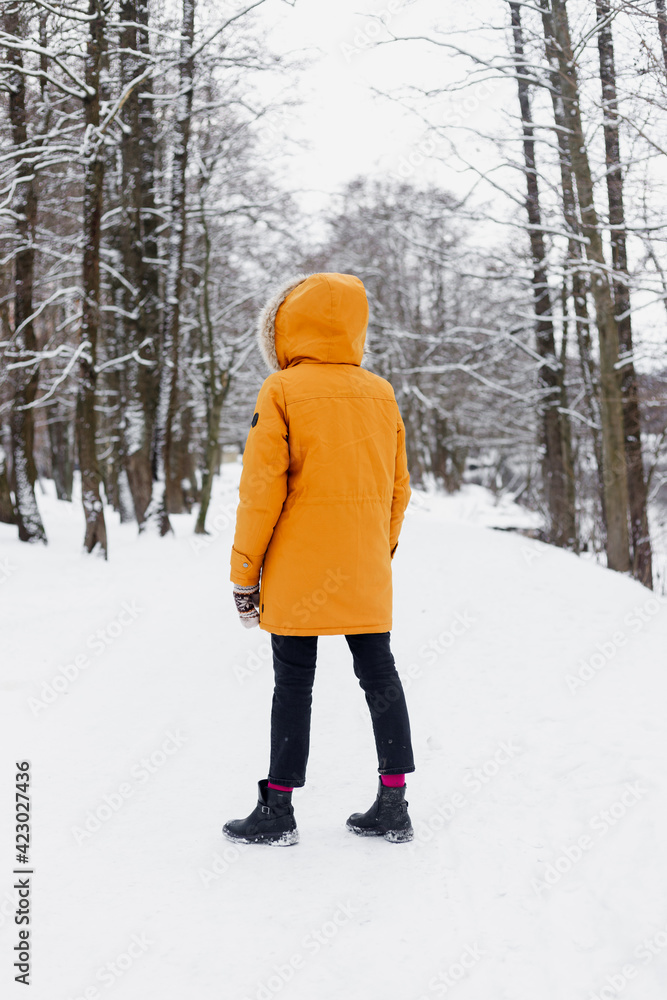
(316, 318)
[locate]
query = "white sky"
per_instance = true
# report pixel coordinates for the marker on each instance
(349, 129)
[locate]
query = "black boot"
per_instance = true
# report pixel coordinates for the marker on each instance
(271, 821)
(387, 817)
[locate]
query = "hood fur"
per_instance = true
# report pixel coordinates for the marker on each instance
(266, 331)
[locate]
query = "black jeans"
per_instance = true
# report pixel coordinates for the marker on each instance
(294, 659)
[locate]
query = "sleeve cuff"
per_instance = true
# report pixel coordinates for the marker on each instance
(245, 570)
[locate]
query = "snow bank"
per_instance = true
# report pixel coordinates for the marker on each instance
(536, 683)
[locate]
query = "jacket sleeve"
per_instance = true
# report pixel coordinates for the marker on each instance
(263, 486)
(401, 495)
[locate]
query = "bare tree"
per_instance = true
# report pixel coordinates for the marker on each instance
(139, 252)
(165, 499)
(557, 469)
(613, 437)
(93, 190)
(26, 369)
(637, 493)
(575, 283)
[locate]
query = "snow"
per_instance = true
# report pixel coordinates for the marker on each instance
(536, 683)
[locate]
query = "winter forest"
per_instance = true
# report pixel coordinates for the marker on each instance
(495, 173)
(147, 212)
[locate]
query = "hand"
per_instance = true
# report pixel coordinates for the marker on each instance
(247, 604)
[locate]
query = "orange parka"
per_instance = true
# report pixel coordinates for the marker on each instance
(325, 483)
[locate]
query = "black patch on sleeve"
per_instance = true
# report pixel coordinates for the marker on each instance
(255, 419)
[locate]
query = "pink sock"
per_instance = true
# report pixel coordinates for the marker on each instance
(393, 780)
(280, 788)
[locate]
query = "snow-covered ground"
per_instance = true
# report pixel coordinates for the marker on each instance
(537, 685)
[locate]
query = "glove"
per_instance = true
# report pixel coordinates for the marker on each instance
(247, 604)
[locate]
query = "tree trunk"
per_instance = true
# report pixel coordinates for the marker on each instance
(95, 533)
(576, 262)
(184, 465)
(62, 464)
(613, 438)
(213, 413)
(642, 567)
(217, 384)
(30, 526)
(567, 448)
(7, 512)
(556, 473)
(662, 28)
(178, 458)
(139, 253)
(163, 494)
(114, 474)
(589, 377)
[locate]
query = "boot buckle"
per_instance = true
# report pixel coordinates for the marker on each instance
(266, 809)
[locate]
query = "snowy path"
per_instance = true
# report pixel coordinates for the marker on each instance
(538, 871)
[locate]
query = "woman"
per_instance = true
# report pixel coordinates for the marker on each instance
(322, 497)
